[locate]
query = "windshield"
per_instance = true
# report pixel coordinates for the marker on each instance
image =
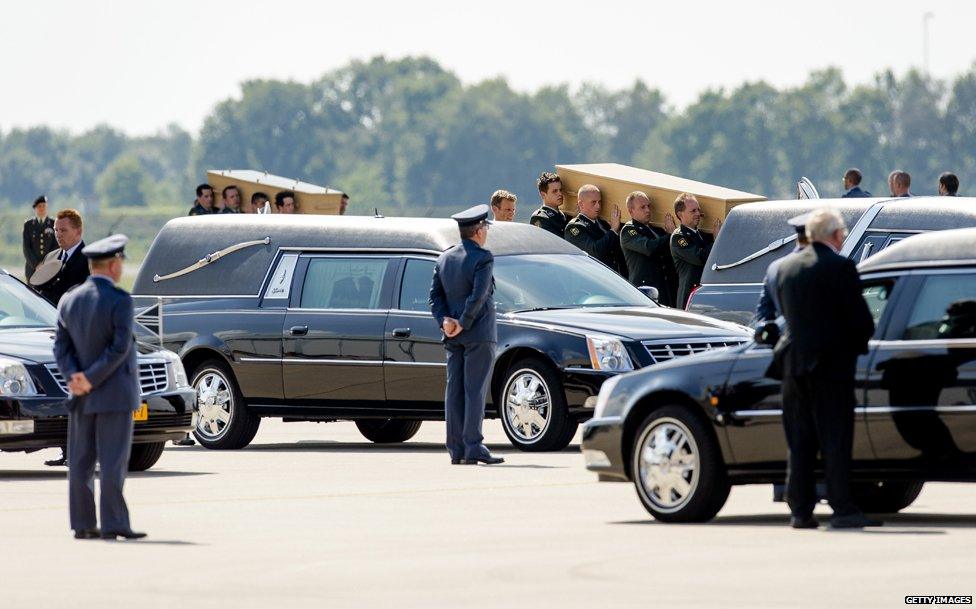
(560, 281)
(22, 308)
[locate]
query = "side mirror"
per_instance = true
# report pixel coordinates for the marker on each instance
(767, 334)
(649, 291)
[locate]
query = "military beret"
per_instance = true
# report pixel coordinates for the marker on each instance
(472, 215)
(109, 247)
(39, 200)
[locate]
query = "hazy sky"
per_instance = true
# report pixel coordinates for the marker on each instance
(141, 65)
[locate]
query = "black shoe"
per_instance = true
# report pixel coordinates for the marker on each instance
(804, 523)
(123, 535)
(853, 521)
(489, 460)
(57, 462)
(87, 534)
(455, 461)
(187, 441)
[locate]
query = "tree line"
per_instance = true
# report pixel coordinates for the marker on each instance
(408, 136)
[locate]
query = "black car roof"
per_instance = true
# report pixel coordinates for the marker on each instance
(184, 241)
(750, 227)
(944, 248)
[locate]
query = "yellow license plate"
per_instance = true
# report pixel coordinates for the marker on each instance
(142, 414)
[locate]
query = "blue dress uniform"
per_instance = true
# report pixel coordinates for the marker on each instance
(94, 336)
(462, 289)
(768, 308)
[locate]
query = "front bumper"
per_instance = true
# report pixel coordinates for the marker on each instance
(172, 415)
(601, 446)
(581, 387)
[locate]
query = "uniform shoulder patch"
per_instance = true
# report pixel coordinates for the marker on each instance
(682, 242)
(632, 232)
(574, 231)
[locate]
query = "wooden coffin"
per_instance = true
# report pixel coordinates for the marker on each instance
(616, 181)
(310, 199)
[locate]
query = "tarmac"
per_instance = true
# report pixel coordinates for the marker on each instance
(313, 515)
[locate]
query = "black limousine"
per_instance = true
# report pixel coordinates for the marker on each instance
(33, 414)
(756, 234)
(324, 318)
(685, 431)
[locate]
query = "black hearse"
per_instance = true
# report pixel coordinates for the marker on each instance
(756, 234)
(33, 392)
(685, 431)
(322, 318)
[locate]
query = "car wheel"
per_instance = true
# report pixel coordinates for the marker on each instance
(677, 467)
(388, 431)
(144, 455)
(885, 496)
(532, 407)
(224, 422)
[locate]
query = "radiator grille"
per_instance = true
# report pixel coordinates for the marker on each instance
(663, 352)
(152, 376)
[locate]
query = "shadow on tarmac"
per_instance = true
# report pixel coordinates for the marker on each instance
(62, 474)
(906, 520)
(157, 542)
(368, 447)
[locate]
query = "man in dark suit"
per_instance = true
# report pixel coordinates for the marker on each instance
(852, 185)
(549, 216)
(948, 184)
(689, 246)
(38, 238)
(647, 249)
(594, 235)
(204, 203)
(768, 308)
(461, 300)
(73, 271)
(828, 325)
(95, 350)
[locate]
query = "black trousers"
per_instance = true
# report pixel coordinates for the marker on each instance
(818, 414)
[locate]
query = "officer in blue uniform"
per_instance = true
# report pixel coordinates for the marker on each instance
(768, 308)
(461, 300)
(95, 349)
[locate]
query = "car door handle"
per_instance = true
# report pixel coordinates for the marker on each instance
(400, 332)
(298, 330)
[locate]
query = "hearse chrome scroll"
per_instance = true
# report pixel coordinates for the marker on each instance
(211, 258)
(775, 245)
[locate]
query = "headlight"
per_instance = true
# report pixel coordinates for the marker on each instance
(609, 354)
(179, 373)
(604, 396)
(14, 380)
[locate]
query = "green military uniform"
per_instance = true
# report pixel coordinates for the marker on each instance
(596, 239)
(690, 249)
(38, 242)
(200, 210)
(647, 250)
(553, 220)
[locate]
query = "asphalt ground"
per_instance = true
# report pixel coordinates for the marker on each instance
(313, 515)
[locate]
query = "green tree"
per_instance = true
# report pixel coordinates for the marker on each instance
(124, 183)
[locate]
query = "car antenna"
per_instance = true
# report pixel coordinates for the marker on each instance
(376, 213)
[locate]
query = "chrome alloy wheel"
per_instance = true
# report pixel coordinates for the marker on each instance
(668, 464)
(215, 403)
(528, 405)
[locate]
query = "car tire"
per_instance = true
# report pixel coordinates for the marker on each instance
(677, 467)
(885, 496)
(388, 431)
(144, 455)
(217, 393)
(532, 407)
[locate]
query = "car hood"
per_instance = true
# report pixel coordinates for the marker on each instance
(637, 323)
(34, 344)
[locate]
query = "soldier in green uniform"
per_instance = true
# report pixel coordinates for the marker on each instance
(38, 237)
(204, 203)
(594, 235)
(689, 246)
(549, 216)
(647, 249)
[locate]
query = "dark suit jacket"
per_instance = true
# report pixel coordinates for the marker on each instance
(855, 193)
(463, 287)
(828, 324)
(74, 272)
(647, 251)
(690, 250)
(94, 336)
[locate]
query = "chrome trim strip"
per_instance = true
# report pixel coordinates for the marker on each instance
(301, 360)
(732, 285)
(385, 251)
(418, 364)
(196, 296)
(230, 312)
(773, 246)
(211, 258)
(591, 370)
(929, 343)
(697, 340)
(261, 360)
(900, 409)
(767, 412)
(344, 311)
(860, 227)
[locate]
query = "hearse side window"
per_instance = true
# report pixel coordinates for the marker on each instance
(871, 244)
(343, 283)
(280, 284)
(945, 308)
(877, 294)
(415, 287)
